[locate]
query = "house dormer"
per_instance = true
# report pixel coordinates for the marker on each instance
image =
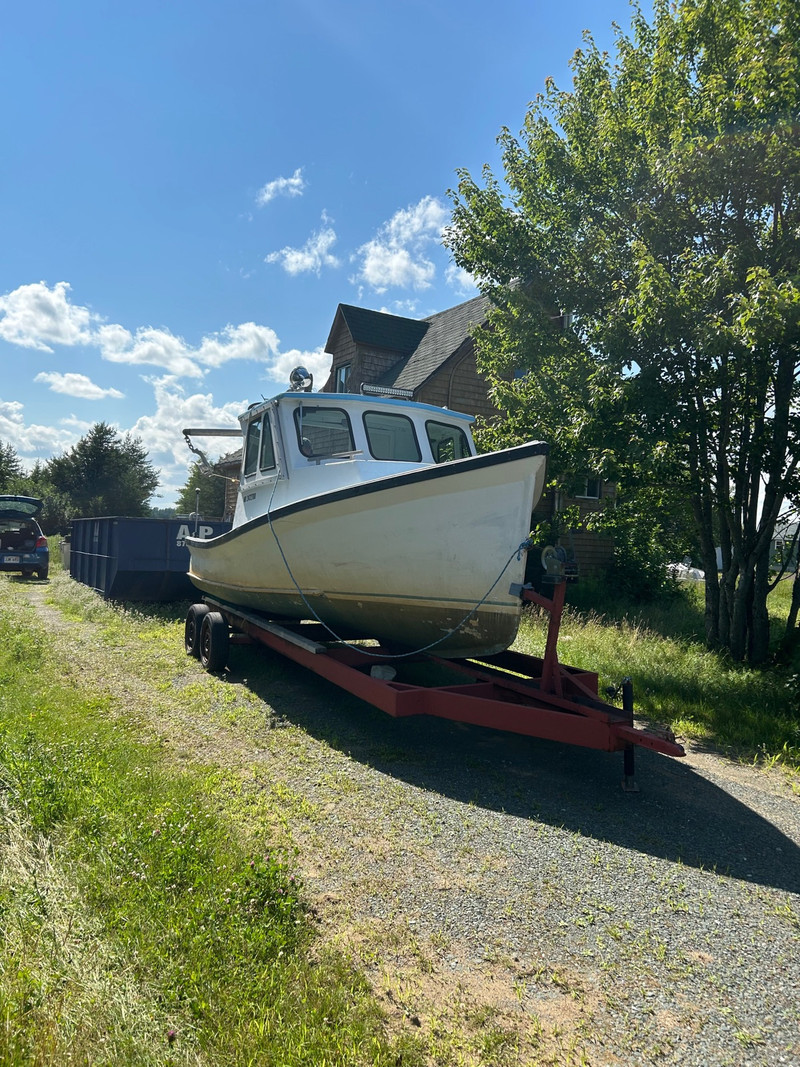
(431, 360)
(365, 345)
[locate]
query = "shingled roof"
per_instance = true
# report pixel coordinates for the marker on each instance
(444, 334)
(377, 329)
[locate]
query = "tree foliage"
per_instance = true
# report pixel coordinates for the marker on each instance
(659, 201)
(103, 474)
(212, 493)
(11, 469)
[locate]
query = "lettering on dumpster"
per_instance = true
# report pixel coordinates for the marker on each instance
(186, 531)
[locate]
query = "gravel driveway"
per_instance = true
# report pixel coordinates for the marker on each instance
(504, 892)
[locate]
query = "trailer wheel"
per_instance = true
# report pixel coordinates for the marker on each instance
(214, 642)
(191, 630)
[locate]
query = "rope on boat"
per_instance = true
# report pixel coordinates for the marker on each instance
(523, 547)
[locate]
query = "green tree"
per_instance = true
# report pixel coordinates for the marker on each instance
(104, 474)
(11, 469)
(212, 493)
(658, 202)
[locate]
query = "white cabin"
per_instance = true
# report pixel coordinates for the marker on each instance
(299, 444)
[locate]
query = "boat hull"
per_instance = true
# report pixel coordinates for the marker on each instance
(419, 559)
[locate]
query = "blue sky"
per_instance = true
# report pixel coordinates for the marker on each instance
(188, 191)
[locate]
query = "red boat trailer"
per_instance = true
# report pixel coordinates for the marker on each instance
(537, 697)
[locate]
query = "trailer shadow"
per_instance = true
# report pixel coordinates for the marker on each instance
(705, 819)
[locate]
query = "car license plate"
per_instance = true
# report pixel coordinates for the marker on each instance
(12, 559)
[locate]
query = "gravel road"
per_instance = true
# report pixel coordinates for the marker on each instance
(656, 927)
(506, 891)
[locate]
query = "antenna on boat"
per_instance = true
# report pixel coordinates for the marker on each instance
(300, 380)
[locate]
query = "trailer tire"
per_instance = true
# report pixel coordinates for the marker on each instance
(191, 629)
(214, 642)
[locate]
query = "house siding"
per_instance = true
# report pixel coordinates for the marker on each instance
(459, 385)
(366, 364)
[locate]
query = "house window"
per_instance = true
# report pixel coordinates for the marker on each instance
(589, 489)
(342, 374)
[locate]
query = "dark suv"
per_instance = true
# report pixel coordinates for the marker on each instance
(23, 546)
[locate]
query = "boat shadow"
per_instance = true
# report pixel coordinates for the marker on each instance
(679, 814)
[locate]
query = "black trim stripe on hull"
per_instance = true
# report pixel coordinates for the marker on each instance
(453, 469)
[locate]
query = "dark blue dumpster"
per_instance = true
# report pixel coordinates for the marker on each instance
(137, 559)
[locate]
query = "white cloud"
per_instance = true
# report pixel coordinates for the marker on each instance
(161, 432)
(174, 410)
(160, 348)
(35, 316)
(76, 385)
(397, 255)
(247, 341)
(148, 346)
(32, 442)
(460, 280)
(293, 186)
(313, 256)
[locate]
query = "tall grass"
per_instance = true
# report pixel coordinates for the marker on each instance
(136, 930)
(678, 681)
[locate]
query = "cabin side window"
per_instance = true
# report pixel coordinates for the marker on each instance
(391, 437)
(323, 431)
(447, 442)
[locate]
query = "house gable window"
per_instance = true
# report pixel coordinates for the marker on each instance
(342, 375)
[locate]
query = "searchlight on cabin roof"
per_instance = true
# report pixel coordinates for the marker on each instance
(300, 381)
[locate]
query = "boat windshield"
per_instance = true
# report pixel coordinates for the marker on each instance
(323, 431)
(251, 447)
(447, 441)
(391, 437)
(259, 452)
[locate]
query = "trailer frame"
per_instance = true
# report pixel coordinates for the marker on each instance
(510, 691)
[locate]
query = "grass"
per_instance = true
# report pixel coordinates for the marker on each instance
(700, 693)
(136, 928)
